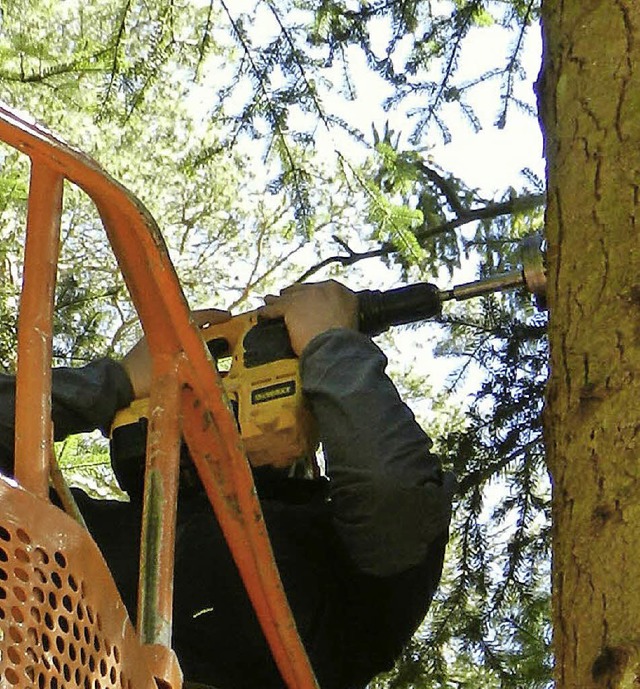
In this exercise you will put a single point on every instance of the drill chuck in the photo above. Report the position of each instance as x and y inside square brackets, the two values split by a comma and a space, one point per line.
[378, 311]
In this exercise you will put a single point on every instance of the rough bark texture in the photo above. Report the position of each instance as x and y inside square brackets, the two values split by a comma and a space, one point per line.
[590, 110]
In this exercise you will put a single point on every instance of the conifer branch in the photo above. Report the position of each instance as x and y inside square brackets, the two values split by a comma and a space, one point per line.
[517, 204]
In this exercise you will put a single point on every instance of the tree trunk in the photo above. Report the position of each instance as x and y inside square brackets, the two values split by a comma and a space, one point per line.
[590, 111]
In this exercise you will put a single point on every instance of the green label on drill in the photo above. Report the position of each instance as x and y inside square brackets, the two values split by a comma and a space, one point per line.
[273, 392]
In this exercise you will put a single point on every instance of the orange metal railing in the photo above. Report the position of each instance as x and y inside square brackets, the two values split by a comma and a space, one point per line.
[185, 387]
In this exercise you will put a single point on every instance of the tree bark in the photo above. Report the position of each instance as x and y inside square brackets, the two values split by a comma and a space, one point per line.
[590, 111]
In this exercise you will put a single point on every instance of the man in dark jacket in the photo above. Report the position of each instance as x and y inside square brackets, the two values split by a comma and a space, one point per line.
[360, 552]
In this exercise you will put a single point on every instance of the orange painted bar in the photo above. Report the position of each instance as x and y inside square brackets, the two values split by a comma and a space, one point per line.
[34, 432]
[208, 423]
[155, 590]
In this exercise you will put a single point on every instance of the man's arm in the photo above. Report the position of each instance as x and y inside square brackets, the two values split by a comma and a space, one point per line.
[389, 497]
[83, 399]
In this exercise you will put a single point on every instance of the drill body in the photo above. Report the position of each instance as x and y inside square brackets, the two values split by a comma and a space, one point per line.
[261, 378]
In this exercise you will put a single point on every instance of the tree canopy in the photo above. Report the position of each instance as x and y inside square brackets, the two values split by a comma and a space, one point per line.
[233, 123]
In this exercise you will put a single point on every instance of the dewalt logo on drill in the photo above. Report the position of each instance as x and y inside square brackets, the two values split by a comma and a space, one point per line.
[273, 392]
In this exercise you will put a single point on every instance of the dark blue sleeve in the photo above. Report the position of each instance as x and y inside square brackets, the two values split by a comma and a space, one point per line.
[390, 499]
[83, 399]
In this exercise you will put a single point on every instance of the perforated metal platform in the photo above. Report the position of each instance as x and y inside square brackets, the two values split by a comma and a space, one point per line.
[62, 622]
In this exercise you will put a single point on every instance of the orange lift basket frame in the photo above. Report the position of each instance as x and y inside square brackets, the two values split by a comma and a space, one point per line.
[62, 622]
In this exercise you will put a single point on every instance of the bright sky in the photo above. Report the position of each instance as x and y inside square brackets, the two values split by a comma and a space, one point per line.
[492, 159]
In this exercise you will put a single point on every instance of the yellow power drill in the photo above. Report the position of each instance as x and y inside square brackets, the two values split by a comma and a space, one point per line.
[260, 375]
[263, 381]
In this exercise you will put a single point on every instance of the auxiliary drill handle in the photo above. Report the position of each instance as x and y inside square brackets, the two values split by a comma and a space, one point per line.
[378, 311]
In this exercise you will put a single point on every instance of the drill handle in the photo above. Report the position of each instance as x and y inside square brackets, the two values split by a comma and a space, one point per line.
[378, 311]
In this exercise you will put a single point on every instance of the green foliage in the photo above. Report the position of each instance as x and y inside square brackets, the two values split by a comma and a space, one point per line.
[84, 462]
[502, 516]
[489, 626]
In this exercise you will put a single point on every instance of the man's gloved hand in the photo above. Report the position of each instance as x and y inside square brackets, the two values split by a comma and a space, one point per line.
[311, 309]
[137, 362]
